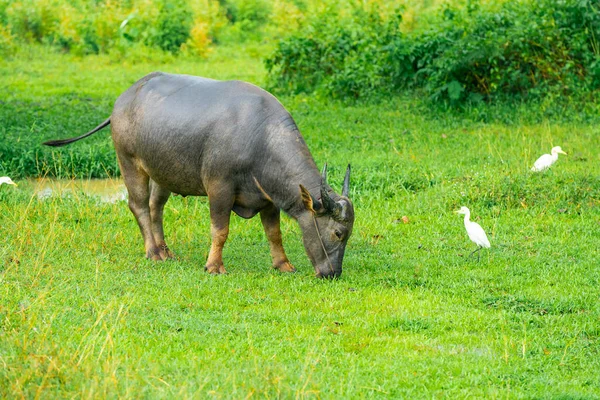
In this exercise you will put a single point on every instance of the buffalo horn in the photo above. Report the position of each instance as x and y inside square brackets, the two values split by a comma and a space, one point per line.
[346, 187]
[329, 204]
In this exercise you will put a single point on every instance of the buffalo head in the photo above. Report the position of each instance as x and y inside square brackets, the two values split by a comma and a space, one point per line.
[326, 226]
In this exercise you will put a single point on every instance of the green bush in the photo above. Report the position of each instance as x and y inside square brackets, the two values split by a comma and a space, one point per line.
[523, 49]
[7, 45]
[3, 6]
[520, 49]
[173, 26]
[247, 19]
[343, 54]
[33, 20]
[251, 13]
[103, 26]
[99, 26]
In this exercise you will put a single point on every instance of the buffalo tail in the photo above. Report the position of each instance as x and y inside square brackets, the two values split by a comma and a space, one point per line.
[62, 142]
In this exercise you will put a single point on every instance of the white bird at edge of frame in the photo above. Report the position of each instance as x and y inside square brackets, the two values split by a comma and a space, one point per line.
[7, 180]
[545, 161]
[475, 232]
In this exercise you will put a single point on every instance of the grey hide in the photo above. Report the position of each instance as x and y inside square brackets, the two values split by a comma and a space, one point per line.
[236, 144]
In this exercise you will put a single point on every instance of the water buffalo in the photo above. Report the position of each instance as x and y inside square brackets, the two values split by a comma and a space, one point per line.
[235, 143]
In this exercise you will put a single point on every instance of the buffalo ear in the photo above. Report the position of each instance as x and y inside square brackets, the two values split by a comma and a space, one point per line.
[310, 202]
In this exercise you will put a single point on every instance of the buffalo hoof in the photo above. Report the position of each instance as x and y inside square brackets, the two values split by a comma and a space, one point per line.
[285, 267]
[155, 254]
[159, 254]
[215, 269]
[166, 253]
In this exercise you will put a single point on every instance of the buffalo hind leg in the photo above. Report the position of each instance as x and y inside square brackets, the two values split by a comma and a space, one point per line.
[270, 218]
[220, 204]
[138, 188]
[158, 198]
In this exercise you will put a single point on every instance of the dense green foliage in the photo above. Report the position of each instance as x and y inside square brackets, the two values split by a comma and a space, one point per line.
[173, 25]
[82, 314]
[464, 51]
[342, 53]
[127, 28]
[524, 49]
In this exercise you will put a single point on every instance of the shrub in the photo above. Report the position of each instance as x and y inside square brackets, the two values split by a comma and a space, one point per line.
[3, 6]
[247, 19]
[524, 50]
[32, 19]
[109, 26]
[66, 33]
[199, 40]
[343, 54]
[517, 49]
[209, 20]
[7, 45]
[173, 25]
[250, 13]
[285, 18]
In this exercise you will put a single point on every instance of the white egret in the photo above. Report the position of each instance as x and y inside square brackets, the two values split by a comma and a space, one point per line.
[7, 180]
[545, 161]
[475, 232]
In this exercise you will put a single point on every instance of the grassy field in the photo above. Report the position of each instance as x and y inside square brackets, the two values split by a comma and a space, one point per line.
[83, 314]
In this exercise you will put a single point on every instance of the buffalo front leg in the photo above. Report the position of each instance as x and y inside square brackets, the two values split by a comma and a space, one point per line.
[158, 198]
[138, 188]
[220, 203]
[270, 218]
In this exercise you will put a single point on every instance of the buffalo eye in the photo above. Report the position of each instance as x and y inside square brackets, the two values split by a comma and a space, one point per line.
[338, 234]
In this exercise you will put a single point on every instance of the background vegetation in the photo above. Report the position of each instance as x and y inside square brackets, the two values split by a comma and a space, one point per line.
[82, 314]
[118, 28]
[478, 52]
[457, 51]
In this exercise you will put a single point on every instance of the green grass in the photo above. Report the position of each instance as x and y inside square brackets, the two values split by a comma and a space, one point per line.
[82, 314]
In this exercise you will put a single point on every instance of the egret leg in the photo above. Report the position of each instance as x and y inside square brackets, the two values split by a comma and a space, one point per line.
[475, 251]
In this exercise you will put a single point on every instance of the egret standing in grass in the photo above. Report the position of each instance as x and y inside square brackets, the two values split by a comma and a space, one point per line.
[7, 180]
[545, 161]
[475, 232]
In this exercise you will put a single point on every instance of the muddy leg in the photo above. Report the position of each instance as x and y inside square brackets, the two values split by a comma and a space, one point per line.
[158, 199]
[220, 204]
[137, 183]
[270, 220]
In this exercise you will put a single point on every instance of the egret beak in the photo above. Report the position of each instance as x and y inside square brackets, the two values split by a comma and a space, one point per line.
[562, 152]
